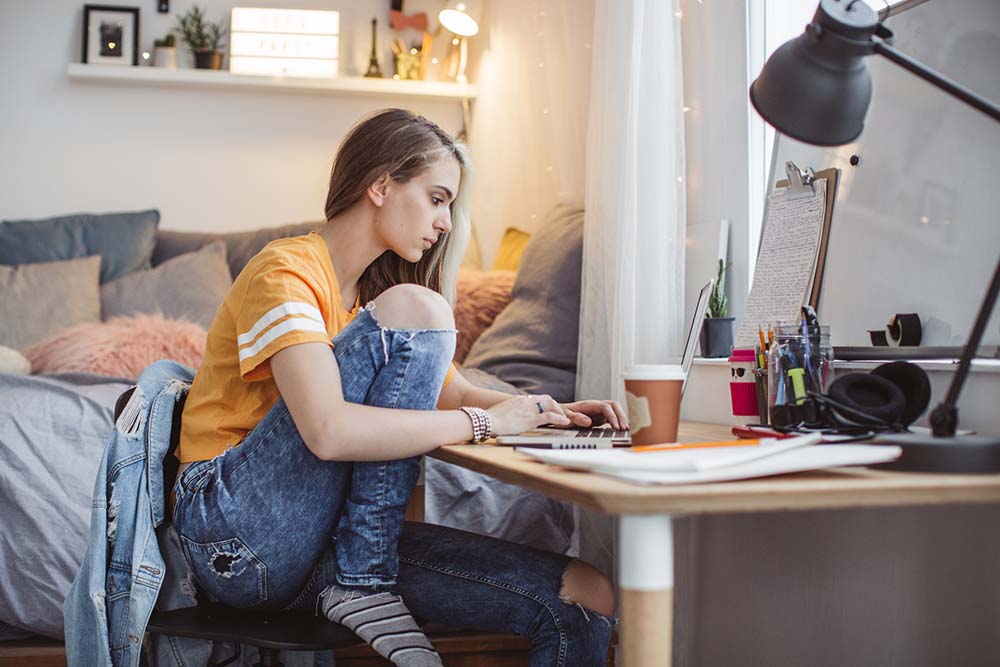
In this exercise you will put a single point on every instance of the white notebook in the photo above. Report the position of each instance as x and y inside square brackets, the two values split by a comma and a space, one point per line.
[722, 464]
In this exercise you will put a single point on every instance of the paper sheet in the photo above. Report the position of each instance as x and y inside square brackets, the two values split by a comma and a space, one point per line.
[786, 261]
[797, 459]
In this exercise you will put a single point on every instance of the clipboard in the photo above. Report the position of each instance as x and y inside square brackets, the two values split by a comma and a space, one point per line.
[791, 256]
[799, 184]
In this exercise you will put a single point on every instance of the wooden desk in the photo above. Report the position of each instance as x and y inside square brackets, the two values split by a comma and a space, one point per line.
[646, 574]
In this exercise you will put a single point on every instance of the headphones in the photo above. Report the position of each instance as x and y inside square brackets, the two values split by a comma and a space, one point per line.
[890, 398]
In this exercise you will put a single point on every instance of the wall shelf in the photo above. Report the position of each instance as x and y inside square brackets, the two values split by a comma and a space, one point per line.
[223, 80]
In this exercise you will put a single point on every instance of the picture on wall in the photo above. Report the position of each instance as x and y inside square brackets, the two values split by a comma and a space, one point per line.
[110, 35]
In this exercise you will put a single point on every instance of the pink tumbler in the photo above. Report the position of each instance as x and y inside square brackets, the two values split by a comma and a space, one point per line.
[742, 383]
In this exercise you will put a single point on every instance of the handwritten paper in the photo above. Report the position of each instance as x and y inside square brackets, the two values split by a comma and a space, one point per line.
[786, 262]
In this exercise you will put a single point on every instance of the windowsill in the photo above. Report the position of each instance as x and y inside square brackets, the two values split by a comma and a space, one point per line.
[939, 365]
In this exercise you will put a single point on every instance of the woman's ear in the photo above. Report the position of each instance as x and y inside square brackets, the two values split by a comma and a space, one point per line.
[379, 190]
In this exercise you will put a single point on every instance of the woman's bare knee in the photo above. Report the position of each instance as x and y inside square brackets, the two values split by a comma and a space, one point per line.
[584, 584]
[410, 306]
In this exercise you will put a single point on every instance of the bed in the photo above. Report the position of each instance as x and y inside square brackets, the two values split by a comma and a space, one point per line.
[90, 300]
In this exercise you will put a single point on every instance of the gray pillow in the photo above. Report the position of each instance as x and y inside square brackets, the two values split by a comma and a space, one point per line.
[37, 300]
[532, 342]
[186, 287]
[240, 246]
[123, 240]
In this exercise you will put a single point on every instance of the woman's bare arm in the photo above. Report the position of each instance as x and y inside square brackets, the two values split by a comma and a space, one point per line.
[333, 429]
[461, 392]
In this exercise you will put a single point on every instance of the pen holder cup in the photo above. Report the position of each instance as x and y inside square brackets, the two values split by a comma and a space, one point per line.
[742, 385]
[799, 363]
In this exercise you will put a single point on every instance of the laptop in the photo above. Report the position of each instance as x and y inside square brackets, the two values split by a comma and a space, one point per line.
[606, 437]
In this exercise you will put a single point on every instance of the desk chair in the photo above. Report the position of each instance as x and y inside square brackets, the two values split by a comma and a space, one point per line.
[302, 631]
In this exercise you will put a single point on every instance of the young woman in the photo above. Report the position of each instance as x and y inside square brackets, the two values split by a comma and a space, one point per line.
[298, 463]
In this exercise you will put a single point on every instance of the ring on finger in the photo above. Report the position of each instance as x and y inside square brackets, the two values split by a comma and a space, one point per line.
[541, 410]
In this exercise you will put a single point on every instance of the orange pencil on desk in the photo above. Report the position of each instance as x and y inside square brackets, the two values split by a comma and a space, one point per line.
[678, 446]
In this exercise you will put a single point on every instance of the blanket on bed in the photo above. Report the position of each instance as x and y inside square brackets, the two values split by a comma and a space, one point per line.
[53, 429]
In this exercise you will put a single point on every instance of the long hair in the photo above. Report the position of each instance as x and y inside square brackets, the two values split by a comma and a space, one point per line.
[402, 144]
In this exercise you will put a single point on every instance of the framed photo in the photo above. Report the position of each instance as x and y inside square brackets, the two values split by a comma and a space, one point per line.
[110, 35]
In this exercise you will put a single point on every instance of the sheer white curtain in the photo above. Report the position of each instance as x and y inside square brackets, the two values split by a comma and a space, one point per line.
[529, 125]
[633, 250]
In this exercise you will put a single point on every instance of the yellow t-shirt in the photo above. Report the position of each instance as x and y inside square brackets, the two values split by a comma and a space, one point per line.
[288, 294]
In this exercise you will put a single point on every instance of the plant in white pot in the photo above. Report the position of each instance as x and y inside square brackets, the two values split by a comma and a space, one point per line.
[717, 332]
[165, 52]
[203, 37]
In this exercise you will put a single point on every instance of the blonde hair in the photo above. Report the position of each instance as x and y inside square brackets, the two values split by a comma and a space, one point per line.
[402, 144]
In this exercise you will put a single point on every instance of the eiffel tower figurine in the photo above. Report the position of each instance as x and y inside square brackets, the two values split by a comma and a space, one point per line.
[373, 67]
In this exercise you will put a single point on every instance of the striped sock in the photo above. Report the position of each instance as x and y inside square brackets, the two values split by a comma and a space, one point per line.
[382, 620]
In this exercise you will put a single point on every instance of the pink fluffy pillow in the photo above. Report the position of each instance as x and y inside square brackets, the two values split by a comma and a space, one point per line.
[121, 347]
[479, 298]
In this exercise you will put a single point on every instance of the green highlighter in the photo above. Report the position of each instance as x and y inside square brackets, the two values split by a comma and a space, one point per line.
[798, 384]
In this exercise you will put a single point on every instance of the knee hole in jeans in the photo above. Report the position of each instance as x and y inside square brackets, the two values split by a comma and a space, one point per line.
[584, 584]
[409, 306]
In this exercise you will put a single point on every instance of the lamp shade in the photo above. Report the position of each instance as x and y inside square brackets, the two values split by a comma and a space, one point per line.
[816, 88]
[457, 18]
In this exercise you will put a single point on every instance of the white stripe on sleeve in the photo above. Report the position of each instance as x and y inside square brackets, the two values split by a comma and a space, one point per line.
[291, 324]
[275, 314]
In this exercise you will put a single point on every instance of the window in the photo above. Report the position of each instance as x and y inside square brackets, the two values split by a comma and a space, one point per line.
[771, 23]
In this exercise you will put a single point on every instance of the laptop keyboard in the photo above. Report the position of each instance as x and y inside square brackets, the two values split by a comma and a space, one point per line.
[600, 433]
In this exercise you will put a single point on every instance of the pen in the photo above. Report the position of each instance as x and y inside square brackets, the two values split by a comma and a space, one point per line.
[760, 334]
[694, 445]
[752, 431]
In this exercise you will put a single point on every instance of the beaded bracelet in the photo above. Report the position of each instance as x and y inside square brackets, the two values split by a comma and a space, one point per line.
[482, 424]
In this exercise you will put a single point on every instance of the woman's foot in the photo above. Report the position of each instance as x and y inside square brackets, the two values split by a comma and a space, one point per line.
[382, 620]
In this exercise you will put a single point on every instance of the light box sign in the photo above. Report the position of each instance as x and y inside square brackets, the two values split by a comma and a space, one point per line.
[284, 42]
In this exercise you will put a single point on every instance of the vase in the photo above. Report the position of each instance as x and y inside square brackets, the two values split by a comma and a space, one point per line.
[208, 59]
[165, 56]
[717, 337]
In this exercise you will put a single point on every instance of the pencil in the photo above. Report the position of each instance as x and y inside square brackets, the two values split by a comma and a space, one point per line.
[694, 445]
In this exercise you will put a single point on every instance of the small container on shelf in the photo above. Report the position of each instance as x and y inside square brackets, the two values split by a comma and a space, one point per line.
[742, 383]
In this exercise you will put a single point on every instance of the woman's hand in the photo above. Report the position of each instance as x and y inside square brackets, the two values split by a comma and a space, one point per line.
[595, 413]
[522, 413]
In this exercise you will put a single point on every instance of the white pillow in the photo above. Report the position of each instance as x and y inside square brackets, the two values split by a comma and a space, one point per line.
[13, 362]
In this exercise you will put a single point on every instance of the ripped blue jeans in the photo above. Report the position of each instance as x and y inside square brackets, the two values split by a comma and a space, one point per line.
[267, 525]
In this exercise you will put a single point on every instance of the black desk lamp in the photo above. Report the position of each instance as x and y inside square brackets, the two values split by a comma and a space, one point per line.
[816, 89]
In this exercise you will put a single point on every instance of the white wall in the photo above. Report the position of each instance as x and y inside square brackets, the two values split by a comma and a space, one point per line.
[207, 159]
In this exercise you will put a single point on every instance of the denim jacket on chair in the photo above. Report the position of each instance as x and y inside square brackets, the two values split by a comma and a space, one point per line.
[111, 598]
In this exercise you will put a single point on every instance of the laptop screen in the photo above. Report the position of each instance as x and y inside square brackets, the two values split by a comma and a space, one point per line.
[694, 331]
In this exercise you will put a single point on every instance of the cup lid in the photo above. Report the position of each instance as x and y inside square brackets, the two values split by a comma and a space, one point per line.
[742, 354]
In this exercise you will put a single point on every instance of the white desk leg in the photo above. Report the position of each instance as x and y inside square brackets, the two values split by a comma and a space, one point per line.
[646, 580]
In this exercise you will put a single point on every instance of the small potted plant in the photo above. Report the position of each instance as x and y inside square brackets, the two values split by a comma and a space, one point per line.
[165, 52]
[203, 37]
[717, 332]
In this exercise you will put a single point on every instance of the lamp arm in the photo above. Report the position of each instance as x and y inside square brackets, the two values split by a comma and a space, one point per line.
[947, 85]
[944, 418]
